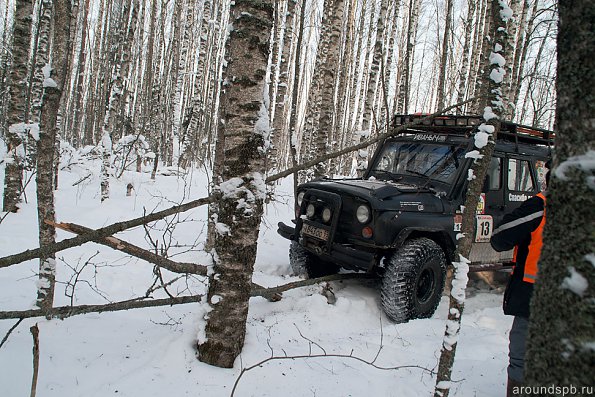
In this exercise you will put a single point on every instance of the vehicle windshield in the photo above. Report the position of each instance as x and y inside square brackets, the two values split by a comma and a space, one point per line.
[438, 162]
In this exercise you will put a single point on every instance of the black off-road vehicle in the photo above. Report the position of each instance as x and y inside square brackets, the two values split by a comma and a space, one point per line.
[402, 218]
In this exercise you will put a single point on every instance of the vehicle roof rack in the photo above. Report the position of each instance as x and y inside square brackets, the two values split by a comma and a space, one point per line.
[466, 124]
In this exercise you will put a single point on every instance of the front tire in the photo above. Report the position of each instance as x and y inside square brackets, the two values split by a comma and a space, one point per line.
[413, 282]
[304, 263]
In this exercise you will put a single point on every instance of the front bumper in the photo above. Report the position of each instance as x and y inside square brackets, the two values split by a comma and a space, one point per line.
[346, 256]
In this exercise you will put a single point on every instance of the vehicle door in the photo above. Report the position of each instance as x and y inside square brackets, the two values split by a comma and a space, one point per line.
[520, 181]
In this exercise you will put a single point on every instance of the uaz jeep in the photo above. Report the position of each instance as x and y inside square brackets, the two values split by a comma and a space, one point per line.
[400, 220]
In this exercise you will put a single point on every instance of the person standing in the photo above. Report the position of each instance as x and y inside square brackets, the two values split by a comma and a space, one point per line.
[522, 230]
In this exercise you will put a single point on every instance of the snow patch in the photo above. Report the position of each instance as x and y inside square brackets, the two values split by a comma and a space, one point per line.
[489, 114]
[474, 154]
[497, 59]
[576, 282]
[505, 11]
[584, 162]
[451, 336]
[48, 82]
[497, 75]
[229, 188]
[443, 384]
[470, 175]
[481, 139]
[216, 299]
[222, 229]
[22, 129]
[459, 282]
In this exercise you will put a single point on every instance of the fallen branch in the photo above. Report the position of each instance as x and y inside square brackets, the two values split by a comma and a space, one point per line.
[69, 311]
[100, 233]
[35, 333]
[10, 332]
[272, 294]
[363, 144]
[134, 250]
[303, 283]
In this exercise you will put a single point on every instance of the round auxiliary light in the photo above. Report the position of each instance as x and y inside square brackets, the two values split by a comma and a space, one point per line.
[367, 232]
[363, 213]
[300, 198]
[326, 215]
[310, 211]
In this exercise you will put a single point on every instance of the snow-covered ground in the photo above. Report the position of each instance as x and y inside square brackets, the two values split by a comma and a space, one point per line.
[151, 352]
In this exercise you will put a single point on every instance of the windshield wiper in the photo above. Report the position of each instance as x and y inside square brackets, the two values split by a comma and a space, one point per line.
[417, 173]
[395, 177]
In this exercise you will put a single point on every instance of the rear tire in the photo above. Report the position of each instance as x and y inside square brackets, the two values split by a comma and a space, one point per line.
[303, 263]
[413, 282]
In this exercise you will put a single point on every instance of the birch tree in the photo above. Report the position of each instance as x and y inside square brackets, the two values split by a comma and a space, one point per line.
[484, 140]
[15, 114]
[244, 128]
[561, 329]
[442, 70]
[321, 96]
[53, 85]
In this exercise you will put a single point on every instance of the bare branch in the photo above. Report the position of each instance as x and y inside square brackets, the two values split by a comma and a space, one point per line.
[362, 144]
[101, 233]
[69, 311]
[35, 333]
[10, 332]
[268, 293]
[302, 283]
[134, 250]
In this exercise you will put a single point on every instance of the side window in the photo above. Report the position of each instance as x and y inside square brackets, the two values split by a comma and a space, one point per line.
[519, 176]
[494, 173]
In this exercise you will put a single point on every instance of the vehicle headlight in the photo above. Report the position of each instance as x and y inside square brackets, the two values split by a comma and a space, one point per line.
[310, 211]
[300, 198]
[363, 213]
[326, 215]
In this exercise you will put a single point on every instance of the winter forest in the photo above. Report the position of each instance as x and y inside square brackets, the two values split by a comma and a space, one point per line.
[149, 148]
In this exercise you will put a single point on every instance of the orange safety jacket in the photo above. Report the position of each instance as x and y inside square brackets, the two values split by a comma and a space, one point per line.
[530, 274]
[522, 230]
[530, 271]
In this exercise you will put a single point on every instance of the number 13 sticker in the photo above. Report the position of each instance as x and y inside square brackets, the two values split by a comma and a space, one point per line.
[483, 228]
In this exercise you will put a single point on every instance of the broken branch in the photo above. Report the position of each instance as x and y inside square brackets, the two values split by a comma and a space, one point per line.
[134, 250]
[362, 144]
[100, 233]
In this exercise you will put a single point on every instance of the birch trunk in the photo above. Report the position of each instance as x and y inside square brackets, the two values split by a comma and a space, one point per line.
[561, 332]
[321, 96]
[15, 114]
[464, 70]
[444, 58]
[53, 87]
[244, 127]
[493, 108]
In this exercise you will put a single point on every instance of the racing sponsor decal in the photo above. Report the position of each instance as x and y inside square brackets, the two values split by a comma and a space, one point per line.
[416, 204]
[429, 137]
[517, 197]
[481, 204]
[458, 222]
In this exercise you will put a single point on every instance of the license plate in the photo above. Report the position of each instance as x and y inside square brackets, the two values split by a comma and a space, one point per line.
[317, 232]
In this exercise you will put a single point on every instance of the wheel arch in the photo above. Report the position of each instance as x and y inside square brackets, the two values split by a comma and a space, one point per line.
[437, 235]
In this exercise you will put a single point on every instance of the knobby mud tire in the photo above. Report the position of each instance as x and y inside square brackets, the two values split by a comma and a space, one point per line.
[414, 279]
